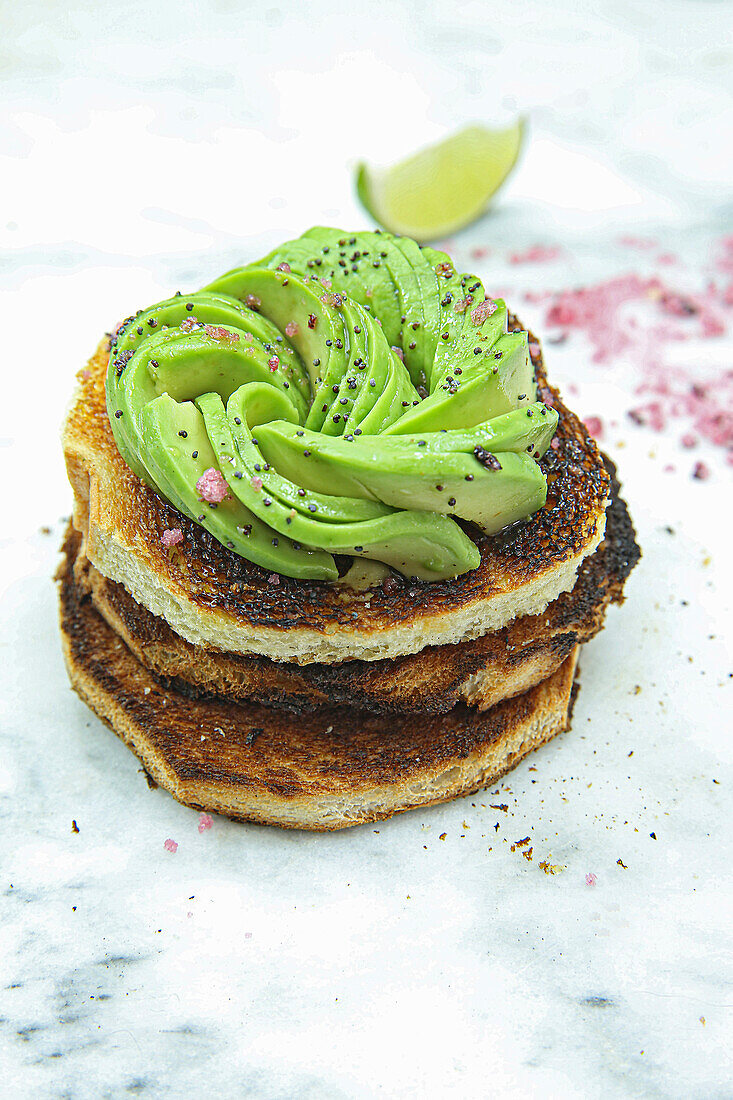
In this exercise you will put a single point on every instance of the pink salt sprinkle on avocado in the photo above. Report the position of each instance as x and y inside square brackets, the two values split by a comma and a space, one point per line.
[220, 334]
[291, 329]
[273, 363]
[256, 483]
[212, 487]
[171, 537]
[482, 311]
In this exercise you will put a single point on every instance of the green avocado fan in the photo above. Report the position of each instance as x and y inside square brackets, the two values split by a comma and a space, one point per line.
[346, 395]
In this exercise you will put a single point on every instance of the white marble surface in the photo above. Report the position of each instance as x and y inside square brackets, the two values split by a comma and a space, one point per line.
[146, 147]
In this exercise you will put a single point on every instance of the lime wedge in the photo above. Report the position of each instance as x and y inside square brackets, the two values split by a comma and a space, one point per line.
[443, 188]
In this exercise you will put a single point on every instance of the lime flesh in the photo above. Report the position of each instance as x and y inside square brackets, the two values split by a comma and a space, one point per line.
[443, 188]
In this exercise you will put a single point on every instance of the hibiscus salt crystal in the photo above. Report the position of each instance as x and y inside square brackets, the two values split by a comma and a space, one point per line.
[171, 537]
[205, 822]
[482, 311]
[212, 487]
[170, 845]
[291, 329]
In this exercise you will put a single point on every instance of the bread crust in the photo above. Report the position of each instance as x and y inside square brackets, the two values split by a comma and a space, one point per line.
[323, 770]
[211, 597]
[481, 673]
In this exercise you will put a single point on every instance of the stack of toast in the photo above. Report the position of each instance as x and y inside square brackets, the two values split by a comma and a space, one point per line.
[317, 705]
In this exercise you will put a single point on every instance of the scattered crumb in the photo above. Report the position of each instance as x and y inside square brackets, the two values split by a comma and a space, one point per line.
[591, 879]
[442, 836]
[74, 827]
[520, 843]
[170, 845]
[205, 822]
[551, 868]
[622, 864]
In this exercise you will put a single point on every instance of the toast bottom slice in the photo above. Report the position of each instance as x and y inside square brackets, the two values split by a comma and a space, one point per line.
[327, 769]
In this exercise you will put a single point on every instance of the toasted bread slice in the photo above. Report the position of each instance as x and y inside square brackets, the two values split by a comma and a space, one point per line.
[326, 769]
[210, 596]
[481, 672]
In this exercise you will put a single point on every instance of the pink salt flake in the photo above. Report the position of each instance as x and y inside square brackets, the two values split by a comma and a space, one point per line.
[594, 424]
[327, 283]
[284, 266]
[274, 578]
[669, 469]
[555, 443]
[591, 879]
[483, 311]
[170, 845]
[205, 822]
[212, 487]
[335, 300]
[189, 324]
[171, 537]
[291, 329]
[537, 254]
[256, 483]
[652, 415]
[701, 472]
[252, 301]
[221, 334]
[688, 441]
[534, 348]
[273, 363]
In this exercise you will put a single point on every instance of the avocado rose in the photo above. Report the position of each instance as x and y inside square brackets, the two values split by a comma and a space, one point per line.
[344, 395]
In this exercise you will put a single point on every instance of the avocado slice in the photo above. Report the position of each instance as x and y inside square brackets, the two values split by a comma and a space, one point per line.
[482, 393]
[484, 475]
